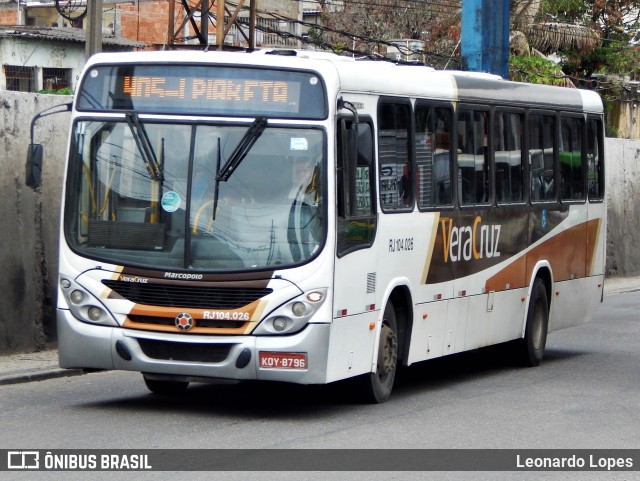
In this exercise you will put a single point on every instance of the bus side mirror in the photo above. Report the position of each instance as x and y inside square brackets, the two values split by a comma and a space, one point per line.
[34, 166]
[35, 151]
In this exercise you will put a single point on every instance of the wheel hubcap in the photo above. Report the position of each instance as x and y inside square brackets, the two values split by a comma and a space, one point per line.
[537, 328]
[388, 352]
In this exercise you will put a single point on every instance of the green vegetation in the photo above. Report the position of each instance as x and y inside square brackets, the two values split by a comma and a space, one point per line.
[64, 91]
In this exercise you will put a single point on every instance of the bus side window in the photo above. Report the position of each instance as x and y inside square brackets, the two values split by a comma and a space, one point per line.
[570, 157]
[473, 157]
[507, 145]
[396, 176]
[355, 186]
[594, 160]
[433, 155]
[541, 133]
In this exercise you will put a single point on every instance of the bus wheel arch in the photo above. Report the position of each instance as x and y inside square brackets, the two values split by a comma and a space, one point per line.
[395, 330]
[532, 345]
[403, 305]
[377, 385]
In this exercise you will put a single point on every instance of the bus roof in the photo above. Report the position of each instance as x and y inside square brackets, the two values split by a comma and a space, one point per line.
[383, 77]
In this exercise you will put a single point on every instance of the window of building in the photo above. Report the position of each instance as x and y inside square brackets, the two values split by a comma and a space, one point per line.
[56, 78]
[19, 78]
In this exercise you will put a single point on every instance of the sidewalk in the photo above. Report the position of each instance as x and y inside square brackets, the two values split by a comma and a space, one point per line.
[38, 366]
[33, 366]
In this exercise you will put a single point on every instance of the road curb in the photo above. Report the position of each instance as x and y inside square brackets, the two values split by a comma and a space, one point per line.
[38, 374]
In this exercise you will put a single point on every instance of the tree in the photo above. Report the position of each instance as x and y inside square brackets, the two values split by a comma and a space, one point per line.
[588, 36]
[365, 27]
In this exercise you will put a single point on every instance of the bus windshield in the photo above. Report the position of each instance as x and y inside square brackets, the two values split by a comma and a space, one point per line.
[150, 194]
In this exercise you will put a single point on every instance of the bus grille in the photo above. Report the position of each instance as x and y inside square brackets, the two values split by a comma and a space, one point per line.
[171, 321]
[180, 351]
[189, 296]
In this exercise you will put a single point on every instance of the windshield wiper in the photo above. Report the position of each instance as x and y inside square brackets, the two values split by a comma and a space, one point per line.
[144, 146]
[252, 134]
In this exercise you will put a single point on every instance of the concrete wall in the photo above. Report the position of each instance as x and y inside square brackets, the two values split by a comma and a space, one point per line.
[623, 196]
[625, 116]
[29, 221]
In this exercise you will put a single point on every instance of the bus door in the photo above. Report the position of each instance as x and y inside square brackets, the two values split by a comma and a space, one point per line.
[355, 274]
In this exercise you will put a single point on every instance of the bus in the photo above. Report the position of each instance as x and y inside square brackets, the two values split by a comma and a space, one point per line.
[306, 217]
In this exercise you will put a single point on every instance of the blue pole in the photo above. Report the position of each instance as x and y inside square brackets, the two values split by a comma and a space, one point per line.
[485, 36]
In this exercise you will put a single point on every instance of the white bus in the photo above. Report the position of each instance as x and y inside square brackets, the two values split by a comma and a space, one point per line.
[310, 218]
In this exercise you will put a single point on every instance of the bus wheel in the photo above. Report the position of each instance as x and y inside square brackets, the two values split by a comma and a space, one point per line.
[165, 388]
[535, 337]
[380, 383]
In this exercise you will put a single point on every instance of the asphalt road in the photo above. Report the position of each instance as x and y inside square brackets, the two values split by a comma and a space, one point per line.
[585, 395]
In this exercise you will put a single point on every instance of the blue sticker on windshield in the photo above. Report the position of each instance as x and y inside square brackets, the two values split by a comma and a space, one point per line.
[170, 201]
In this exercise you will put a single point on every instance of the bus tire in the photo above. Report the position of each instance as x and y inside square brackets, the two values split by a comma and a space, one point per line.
[378, 384]
[166, 388]
[535, 337]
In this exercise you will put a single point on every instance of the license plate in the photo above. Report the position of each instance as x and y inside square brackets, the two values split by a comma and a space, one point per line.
[283, 360]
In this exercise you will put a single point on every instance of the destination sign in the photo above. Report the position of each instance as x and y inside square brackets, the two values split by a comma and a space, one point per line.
[203, 90]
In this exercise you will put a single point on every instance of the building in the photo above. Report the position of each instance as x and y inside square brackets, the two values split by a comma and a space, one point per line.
[279, 22]
[47, 58]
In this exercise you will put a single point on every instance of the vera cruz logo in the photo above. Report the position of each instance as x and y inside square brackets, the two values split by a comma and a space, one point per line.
[470, 242]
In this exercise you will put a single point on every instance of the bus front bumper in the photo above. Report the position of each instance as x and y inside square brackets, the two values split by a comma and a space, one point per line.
[193, 357]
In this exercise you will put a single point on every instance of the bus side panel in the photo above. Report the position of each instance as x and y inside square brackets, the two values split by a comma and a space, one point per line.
[575, 301]
[428, 333]
[478, 323]
[434, 290]
[454, 335]
[596, 239]
[355, 294]
[507, 314]
[572, 306]
[351, 346]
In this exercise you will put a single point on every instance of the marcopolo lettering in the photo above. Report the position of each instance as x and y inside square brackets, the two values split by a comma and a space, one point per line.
[182, 275]
[470, 242]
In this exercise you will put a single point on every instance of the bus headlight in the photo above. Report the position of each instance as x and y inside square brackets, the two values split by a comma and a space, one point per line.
[280, 324]
[94, 313]
[294, 315]
[83, 305]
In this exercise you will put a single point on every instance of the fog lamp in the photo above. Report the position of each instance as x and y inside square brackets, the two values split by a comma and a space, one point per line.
[280, 324]
[94, 313]
[77, 297]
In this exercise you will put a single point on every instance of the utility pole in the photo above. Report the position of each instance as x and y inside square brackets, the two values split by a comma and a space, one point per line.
[220, 24]
[485, 36]
[201, 31]
[204, 21]
[253, 8]
[94, 28]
